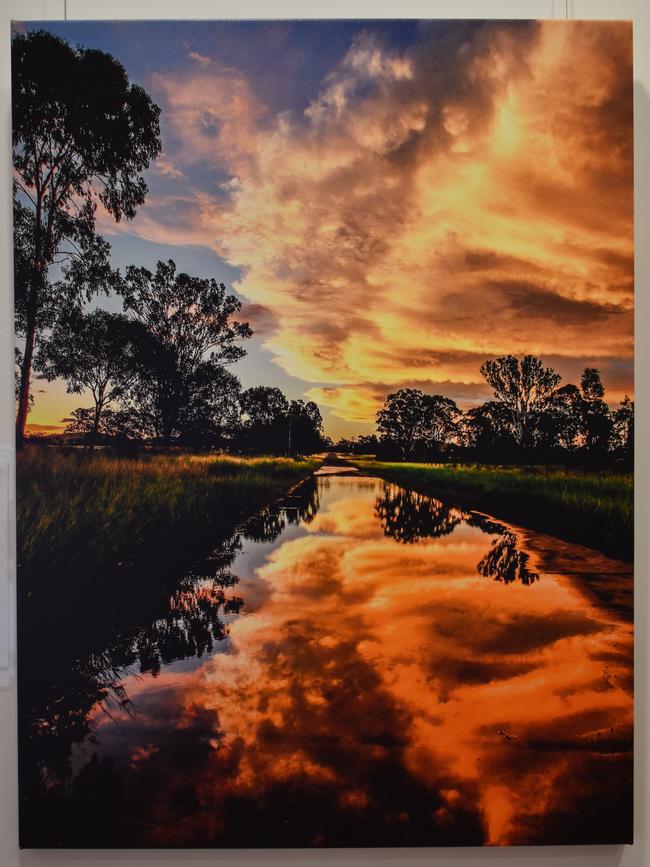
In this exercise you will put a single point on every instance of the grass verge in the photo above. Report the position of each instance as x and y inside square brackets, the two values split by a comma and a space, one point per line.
[593, 509]
[78, 509]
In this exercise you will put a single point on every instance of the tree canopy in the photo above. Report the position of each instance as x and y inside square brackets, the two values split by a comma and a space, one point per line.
[525, 387]
[81, 131]
[189, 333]
[532, 417]
[417, 423]
[263, 405]
[82, 135]
[93, 352]
[305, 428]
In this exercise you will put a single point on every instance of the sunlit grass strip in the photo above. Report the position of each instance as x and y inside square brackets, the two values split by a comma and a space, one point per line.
[591, 508]
[80, 508]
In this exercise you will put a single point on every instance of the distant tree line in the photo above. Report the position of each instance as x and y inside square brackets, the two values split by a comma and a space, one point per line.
[531, 418]
[159, 370]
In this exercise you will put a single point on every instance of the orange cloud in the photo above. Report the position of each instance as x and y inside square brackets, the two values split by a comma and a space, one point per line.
[212, 111]
[469, 197]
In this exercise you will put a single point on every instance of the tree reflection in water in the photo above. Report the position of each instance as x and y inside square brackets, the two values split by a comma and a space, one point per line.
[407, 517]
[191, 625]
[65, 684]
[100, 628]
[95, 637]
[505, 562]
[300, 504]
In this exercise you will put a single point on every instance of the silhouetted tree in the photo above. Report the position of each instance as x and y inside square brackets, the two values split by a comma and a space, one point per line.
[440, 417]
[400, 419]
[211, 415]
[263, 405]
[304, 428]
[623, 429]
[418, 423]
[362, 445]
[18, 360]
[120, 425]
[596, 422]
[43, 315]
[81, 134]
[560, 423]
[91, 352]
[591, 384]
[264, 420]
[525, 387]
[488, 427]
[191, 334]
[532, 411]
[367, 444]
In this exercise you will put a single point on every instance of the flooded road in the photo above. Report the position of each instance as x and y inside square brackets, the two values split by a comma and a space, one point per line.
[361, 666]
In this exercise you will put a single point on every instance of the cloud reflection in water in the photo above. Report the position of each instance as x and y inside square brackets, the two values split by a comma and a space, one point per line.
[385, 692]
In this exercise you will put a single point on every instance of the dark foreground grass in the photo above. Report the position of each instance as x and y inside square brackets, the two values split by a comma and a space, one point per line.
[78, 509]
[593, 509]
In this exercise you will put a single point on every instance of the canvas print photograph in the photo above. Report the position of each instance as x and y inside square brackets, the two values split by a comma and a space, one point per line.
[324, 431]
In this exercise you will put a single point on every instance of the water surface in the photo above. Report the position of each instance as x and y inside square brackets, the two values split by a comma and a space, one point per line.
[361, 666]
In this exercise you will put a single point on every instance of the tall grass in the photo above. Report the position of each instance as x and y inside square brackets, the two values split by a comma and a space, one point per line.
[591, 508]
[77, 508]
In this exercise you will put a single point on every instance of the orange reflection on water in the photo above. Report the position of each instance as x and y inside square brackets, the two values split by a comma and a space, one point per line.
[393, 693]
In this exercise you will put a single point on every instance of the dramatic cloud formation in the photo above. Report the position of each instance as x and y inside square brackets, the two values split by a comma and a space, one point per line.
[467, 196]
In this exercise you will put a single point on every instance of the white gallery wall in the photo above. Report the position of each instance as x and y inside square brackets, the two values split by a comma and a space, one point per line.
[578, 856]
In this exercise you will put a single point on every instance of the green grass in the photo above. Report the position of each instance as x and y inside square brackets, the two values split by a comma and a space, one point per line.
[591, 508]
[77, 509]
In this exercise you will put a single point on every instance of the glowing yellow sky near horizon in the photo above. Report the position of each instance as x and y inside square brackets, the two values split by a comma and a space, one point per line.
[466, 199]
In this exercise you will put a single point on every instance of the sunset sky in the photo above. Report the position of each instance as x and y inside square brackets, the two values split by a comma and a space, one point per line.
[393, 202]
